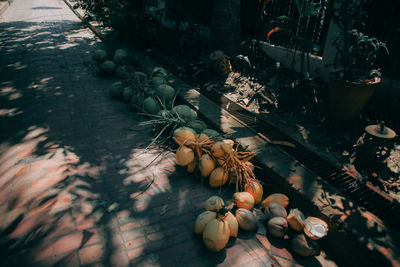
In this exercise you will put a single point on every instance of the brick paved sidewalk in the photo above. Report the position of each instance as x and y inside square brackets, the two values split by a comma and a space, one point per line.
[72, 165]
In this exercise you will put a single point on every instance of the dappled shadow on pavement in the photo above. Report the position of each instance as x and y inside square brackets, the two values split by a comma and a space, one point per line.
[77, 186]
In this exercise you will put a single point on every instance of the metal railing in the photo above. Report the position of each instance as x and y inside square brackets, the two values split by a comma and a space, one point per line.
[295, 24]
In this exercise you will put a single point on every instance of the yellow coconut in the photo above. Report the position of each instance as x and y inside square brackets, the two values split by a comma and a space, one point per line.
[244, 200]
[218, 177]
[207, 165]
[184, 155]
[227, 146]
[217, 150]
[184, 135]
[216, 234]
[203, 137]
[214, 203]
[255, 189]
[233, 224]
[192, 166]
[202, 220]
[279, 198]
[229, 142]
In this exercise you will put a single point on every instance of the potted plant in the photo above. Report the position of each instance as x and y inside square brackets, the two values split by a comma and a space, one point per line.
[355, 74]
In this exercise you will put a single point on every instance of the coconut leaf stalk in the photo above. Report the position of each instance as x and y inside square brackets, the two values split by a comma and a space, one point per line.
[234, 161]
[163, 121]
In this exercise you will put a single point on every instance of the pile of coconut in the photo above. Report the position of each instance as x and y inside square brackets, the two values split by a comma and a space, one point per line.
[217, 224]
[148, 93]
[200, 148]
[117, 64]
[219, 160]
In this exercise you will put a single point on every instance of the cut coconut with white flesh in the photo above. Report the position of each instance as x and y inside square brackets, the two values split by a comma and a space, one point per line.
[315, 228]
[296, 220]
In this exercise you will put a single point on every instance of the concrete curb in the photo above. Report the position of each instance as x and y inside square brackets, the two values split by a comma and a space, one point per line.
[356, 237]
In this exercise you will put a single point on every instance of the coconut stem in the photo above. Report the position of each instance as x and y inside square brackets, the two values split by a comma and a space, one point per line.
[222, 213]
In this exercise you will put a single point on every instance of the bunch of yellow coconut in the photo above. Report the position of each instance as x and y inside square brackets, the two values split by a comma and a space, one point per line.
[219, 160]
[217, 224]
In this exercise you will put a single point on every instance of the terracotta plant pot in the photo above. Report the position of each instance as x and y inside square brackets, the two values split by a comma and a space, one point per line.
[348, 99]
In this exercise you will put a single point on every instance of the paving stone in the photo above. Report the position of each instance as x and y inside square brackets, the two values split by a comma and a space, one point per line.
[120, 259]
[74, 241]
[91, 254]
[83, 222]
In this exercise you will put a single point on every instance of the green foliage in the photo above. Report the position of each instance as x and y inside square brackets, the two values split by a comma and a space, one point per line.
[357, 53]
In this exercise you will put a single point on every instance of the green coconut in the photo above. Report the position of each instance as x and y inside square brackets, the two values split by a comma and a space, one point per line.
[99, 55]
[151, 106]
[137, 101]
[127, 93]
[157, 81]
[120, 57]
[214, 135]
[185, 112]
[197, 125]
[116, 89]
[107, 67]
[140, 78]
[121, 71]
[164, 113]
[165, 92]
[159, 72]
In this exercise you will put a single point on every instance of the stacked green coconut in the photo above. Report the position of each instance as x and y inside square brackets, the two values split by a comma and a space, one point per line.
[150, 94]
[109, 66]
